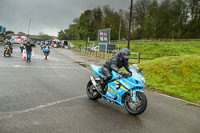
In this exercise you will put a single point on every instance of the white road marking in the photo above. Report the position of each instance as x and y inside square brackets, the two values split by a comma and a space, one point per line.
[53, 67]
[33, 53]
[11, 114]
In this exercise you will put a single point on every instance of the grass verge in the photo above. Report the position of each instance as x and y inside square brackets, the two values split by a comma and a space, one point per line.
[176, 76]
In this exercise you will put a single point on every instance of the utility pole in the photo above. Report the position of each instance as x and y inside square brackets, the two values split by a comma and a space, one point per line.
[29, 28]
[130, 21]
[121, 11]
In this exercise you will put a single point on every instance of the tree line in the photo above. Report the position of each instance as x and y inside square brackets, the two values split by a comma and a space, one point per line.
[151, 19]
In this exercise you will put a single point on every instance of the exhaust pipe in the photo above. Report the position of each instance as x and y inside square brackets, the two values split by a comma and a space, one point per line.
[95, 84]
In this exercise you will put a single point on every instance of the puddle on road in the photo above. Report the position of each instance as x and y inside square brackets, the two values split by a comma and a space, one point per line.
[82, 64]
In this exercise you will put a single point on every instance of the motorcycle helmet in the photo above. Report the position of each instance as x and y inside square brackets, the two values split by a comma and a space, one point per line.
[125, 52]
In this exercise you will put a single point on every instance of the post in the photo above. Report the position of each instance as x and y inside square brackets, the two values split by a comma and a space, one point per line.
[130, 19]
[121, 11]
[139, 58]
[29, 29]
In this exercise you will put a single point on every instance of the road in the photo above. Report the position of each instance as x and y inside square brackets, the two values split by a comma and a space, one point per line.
[48, 96]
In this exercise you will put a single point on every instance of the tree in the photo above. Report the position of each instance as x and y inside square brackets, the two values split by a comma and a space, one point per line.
[21, 34]
[44, 36]
[151, 20]
[140, 10]
[179, 17]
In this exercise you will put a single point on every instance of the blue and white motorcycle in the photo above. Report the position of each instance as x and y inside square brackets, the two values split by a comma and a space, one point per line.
[46, 51]
[124, 91]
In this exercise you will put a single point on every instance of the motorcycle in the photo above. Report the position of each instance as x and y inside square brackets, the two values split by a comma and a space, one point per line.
[7, 50]
[124, 91]
[46, 52]
[42, 46]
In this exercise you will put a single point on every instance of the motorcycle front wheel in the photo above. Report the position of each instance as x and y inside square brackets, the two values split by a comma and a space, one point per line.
[92, 92]
[137, 107]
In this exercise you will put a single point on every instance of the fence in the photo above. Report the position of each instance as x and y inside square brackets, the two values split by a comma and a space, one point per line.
[142, 40]
[109, 55]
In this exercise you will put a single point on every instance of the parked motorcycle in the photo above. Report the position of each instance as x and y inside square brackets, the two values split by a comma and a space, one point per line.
[46, 52]
[7, 50]
[124, 91]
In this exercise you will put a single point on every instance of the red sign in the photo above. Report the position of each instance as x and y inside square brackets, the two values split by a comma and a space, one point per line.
[103, 36]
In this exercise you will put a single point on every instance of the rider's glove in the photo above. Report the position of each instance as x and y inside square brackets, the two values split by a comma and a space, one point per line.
[130, 74]
[122, 73]
[127, 75]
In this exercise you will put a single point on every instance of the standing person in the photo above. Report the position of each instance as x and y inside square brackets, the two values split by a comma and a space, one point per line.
[80, 47]
[28, 51]
[21, 46]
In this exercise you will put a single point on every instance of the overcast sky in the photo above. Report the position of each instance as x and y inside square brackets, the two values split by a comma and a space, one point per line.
[48, 16]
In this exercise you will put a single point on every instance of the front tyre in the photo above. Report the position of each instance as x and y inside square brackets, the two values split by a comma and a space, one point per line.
[137, 107]
[92, 92]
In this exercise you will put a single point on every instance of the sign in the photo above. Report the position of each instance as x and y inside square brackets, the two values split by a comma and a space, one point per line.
[104, 35]
[107, 48]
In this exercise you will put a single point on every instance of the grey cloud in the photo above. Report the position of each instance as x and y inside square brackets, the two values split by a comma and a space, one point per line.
[48, 16]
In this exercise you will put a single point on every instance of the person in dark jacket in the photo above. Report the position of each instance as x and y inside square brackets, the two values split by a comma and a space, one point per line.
[115, 63]
[28, 51]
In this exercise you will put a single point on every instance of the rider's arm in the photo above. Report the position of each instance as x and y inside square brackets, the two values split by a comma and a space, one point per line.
[114, 67]
[127, 67]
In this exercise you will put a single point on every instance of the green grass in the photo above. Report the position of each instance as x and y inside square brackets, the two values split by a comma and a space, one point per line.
[169, 48]
[166, 48]
[176, 76]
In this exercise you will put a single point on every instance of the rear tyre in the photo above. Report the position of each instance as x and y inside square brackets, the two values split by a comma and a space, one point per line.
[138, 107]
[92, 92]
[4, 53]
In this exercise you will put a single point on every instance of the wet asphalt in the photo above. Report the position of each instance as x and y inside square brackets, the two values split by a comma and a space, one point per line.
[48, 96]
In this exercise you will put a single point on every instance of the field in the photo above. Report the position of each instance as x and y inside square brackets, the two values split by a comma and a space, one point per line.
[178, 76]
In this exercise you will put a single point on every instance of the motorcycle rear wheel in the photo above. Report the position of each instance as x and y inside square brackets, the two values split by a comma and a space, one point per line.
[4, 53]
[138, 107]
[92, 92]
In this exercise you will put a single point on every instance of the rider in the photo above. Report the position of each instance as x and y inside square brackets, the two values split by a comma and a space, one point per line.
[47, 47]
[9, 44]
[115, 63]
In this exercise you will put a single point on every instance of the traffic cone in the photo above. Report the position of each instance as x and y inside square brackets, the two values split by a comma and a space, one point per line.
[24, 54]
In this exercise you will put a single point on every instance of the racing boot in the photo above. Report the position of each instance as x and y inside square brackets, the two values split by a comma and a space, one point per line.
[101, 85]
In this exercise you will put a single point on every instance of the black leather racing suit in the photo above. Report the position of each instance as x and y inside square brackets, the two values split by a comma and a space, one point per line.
[115, 63]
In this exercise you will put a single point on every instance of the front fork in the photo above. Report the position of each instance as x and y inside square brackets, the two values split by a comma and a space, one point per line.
[133, 93]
